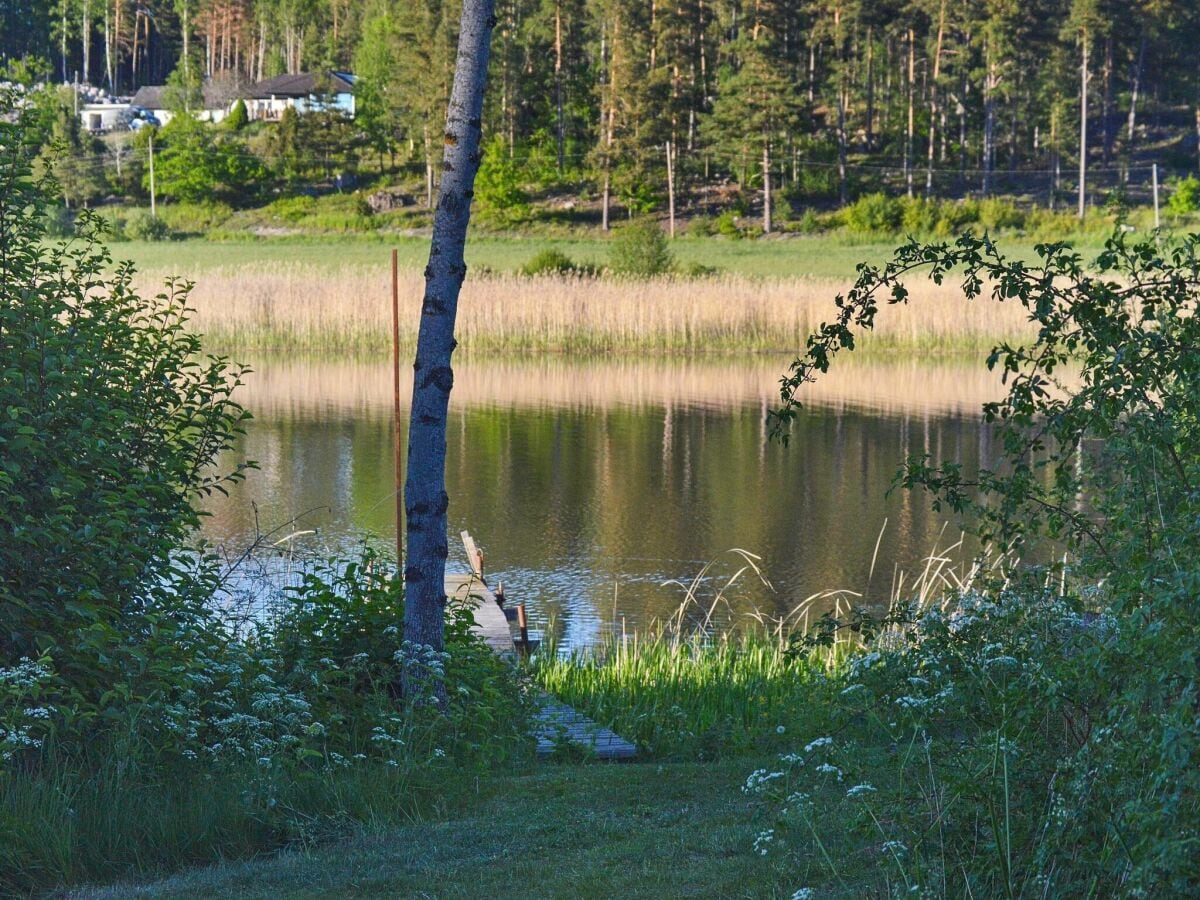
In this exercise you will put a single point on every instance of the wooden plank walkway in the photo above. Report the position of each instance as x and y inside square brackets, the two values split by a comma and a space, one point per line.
[554, 722]
[490, 622]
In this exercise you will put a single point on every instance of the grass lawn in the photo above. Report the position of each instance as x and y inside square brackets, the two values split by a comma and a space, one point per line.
[817, 257]
[562, 830]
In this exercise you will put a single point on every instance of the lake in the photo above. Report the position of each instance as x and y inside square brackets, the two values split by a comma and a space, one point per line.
[591, 484]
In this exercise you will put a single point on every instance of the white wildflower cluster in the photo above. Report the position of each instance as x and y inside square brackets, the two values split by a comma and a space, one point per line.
[763, 841]
[758, 780]
[860, 790]
[804, 893]
[21, 722]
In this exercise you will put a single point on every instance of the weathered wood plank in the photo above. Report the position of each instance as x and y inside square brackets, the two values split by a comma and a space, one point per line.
[555, 722]
[490, 622]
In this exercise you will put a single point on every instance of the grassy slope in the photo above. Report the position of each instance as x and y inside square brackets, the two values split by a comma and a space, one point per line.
[563, 830]
[800, 257]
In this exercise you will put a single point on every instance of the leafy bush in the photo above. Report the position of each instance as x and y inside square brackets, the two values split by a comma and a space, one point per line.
[919, 215]
[60, 222]
[554, 262]
[954, 216]
[701, 226]
[1068, 694]
[640, 248]
[142, 226]
[1185, 198]
[874, 214]
[112, 420]
[727, 225]
[498, 186]
[998, 215]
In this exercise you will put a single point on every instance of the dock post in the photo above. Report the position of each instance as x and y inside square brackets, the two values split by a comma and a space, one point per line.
[523, 625]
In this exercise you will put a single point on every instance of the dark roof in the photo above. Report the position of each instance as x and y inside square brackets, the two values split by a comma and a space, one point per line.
[149, 96]
[152, 96]
[303, 84]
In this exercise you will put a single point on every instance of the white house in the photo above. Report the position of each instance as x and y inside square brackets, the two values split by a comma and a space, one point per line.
[149, 97]
[101, 117]
[304, 92]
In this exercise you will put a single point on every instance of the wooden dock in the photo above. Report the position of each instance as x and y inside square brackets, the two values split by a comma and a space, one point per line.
[555, 723]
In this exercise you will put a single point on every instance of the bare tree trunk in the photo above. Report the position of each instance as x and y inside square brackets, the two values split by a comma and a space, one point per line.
[1083, 98]
[558, 83]
[933, 98]
[1136, 88]
[870, 89]
[85, 41]
[425, 498]
[908, 138]
[766, 170]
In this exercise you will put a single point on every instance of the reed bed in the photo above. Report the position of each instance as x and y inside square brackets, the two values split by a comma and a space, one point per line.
[309, 307]
[311, 385]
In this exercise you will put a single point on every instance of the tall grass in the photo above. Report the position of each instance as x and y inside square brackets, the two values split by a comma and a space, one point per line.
[308, 307]
[76, 821]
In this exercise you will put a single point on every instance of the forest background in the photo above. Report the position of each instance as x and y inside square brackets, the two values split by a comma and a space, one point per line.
[604, 108]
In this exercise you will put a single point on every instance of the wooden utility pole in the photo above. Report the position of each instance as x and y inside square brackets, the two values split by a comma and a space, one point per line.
[425, 498]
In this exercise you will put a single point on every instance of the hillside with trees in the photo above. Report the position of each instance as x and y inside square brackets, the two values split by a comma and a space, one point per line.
[814, 102]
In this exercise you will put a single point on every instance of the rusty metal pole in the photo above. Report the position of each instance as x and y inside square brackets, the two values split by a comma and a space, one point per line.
[397, 446]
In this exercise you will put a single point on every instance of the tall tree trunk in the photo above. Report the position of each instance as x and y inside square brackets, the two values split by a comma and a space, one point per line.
[558, 83]
[933, 97]
[1083, 98]
[766, 172]
[989, 122]
[1136, 87]
[63, 47]
[870, 89]
[908, 138]
[1106, 135]
[85, 41]
[425, 498]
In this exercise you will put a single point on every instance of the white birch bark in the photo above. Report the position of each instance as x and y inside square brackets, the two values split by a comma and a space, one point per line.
[425, 498]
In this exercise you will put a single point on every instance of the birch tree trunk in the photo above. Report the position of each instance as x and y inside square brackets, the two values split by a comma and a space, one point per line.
[1083, 99]
[425, 498]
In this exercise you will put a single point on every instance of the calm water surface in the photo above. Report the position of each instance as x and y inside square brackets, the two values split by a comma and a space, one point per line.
[591, 484]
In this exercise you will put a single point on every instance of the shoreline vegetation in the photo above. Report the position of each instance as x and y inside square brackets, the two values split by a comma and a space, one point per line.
[301, 306]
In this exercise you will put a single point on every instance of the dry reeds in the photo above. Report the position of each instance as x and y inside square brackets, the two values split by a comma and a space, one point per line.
[307, 307]
[313, 385]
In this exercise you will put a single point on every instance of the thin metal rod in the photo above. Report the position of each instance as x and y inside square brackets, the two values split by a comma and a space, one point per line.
[396, 436]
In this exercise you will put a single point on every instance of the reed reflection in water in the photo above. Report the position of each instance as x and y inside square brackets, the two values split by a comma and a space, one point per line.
[590, 484]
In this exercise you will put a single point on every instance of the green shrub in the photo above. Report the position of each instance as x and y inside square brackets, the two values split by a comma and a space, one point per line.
[701, 226]
[700, 270]
[195, 218]
[553, 262]
[1185, 196]
[112, 421]
[498, 189]
[999, 215]
[1056, 706]
[727, 225]
[919, 215]
[290, 209]
[874, 214]
[142, 226]
[954, 216]
[59, 222]
[640, 249]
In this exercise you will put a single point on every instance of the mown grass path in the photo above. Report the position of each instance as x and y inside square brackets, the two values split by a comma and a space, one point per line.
[563, 830]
